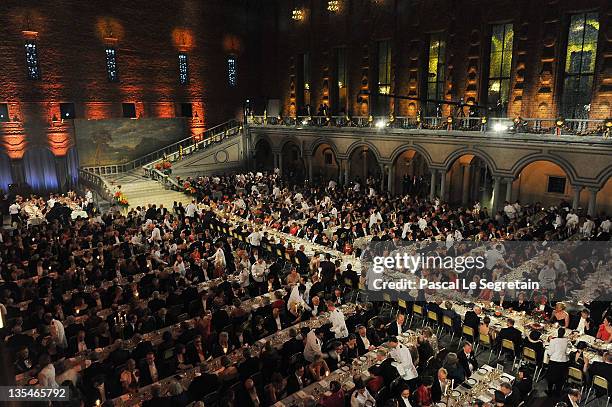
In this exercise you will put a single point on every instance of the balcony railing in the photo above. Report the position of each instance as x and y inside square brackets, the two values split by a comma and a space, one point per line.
[580, 127]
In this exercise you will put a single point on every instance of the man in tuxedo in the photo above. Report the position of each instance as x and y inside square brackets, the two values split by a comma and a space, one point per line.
[142, 347]
[472, 318]
[301, 258]
[204, 384]
[149, 370]
[293, 345]
[604, 368]
[511, 333]
[384, 367]
[275, 322]
[397, 327]
[467, 359]
[512, 398]
[328, 272]
[78, 344]
[296, 380]
[196, 353]
[316, 308]
[365, 340]
[249, 366]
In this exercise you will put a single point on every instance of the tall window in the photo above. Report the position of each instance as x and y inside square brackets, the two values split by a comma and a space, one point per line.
[384, 77]
[183, 68]
[500, 63]
[31, 51]
[306, 78]
[341, 79]
[436, 63]
[232, 71]
[111, 64]
[580, 65]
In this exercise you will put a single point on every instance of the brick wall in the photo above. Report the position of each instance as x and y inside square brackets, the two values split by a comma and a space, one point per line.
[540, 31]
[72, 35]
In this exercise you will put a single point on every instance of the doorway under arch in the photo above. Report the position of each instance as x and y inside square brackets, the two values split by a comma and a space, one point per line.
[412, 174]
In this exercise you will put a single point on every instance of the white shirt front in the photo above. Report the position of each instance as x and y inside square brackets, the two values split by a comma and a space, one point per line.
[14, 209]
[402, 355]
[338, 321]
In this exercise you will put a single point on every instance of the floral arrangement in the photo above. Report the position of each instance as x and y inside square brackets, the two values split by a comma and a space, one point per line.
[120, 199]
[188, 187]
[164, 166]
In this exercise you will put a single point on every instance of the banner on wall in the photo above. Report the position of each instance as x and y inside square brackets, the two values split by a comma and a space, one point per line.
[119, 141]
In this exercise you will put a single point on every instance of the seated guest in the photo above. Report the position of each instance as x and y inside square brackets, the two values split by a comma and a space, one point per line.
[297, 380]
[222, 346]
[560, 316]
[603, 369]
[512, 398]
[605, 330]
[195, 352]
[250, 365]
[467, 359]
[78, 344]
[440, 386]
[423, 394]
[204, 384]
[455, 371]
[249, 396]
[276, 390]
[523, 383]
[149, 371]
[374, 382]
[472, 318]
[318, 369]
[512, 334]
[425, 350]
[534, 342]
[397, 327]
[365, 340]
[23, 362]
[129, 377]
[521, 304]
[179, 361]
[334, 397]
[453, 315]
[583, 323]
[578, 359]
[385, 367]
[405, 399]
[361, 397]
[313, 344]
[275, 322]
[293, 345]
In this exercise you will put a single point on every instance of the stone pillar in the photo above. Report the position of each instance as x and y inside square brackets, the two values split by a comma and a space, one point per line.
[309, 168]
[496, 195]
[485, 190]
[340, 163]
[280, 163]
[347, 166]
[275, 157]
[391, 179]
[382, 177]
[576, 202]
[509, 189]
[443, 185]
[592, 201]
[465, 188]
[432, 187]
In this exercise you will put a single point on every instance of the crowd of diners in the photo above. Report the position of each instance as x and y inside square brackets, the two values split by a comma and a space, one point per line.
[113, 281]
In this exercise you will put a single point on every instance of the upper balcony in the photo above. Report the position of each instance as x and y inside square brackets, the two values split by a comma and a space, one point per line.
[588, 130]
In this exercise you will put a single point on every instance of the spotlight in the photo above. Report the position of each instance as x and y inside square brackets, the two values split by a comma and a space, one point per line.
[305, 122]
[483, 120]
[449, 120]
[608, 123]
[499, 127]
[380, 124]
[560, 122]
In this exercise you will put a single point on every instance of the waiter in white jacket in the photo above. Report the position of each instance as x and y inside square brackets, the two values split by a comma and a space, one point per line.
[336, 317]
[403, 357]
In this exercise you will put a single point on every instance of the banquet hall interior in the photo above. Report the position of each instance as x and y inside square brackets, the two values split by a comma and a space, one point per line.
[206, 203]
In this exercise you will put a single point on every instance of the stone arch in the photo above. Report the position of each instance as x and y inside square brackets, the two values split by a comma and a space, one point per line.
[263, 155]
[291, 139]
[292, 160]
[353, 147]
[324, 161]
[363, 160]
[411, 171]
[415, 147]
[319, 141]
[604, 177]
[452, 157]
[543, 181]
[520, 165]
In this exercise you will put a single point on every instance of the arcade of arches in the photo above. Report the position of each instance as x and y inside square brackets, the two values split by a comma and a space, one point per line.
[466, 179]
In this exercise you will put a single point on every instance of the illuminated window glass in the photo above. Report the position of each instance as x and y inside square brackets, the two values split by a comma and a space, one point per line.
[183, 69]
[436, 63]
[580, 65]
[384, 67]
[232, 74]
[4, 112]
[500, 63]
[111, 65]
[32, 60]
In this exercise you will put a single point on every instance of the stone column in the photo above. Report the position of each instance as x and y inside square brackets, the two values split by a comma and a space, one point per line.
[592, 201]
[309, 168]
[496, 193]
[465, 188]
[280, 163]
[275, 157]
[576, 202]
[391, 179]
[347, 166]
[485, 190]
[432, 187]
[509, 189]
[443, 185]
[340, 163]
[382, 177]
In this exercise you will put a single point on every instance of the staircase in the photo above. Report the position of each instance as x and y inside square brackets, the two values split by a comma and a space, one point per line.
[141, 191]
